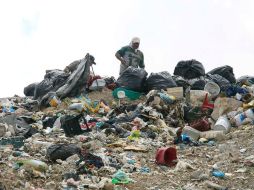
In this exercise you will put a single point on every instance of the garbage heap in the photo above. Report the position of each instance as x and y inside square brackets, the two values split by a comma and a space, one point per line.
[192, 130]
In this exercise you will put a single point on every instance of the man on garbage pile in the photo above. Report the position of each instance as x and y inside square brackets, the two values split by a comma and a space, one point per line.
[130, 55]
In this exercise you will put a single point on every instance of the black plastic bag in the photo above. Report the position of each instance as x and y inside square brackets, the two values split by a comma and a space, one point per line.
[161, 80]
[224, 71]
[92, 160]
[30, 89]
[132, 79]
[64, 84]
[197, 83]
[189, 69]
[48, 121]
[53, 80]
[181, 82]
[77, 81]
[71, 125]
[221, 81]
[43, 88]
[30, 132]
[31, 105]
[62, 151]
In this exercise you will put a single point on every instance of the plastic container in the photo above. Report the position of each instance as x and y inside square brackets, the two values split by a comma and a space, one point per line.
[97, 84]
[222, 124]
[166, 156]
[212, 88]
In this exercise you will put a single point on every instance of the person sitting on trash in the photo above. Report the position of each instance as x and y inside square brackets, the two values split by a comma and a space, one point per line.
[130, 56]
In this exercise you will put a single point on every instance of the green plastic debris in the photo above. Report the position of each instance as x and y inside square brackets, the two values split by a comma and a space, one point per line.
[132, 95]
[135, 134]
[121, 177]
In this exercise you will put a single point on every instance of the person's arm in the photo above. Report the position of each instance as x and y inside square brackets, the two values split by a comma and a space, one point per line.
[119, 55]
[142, 64]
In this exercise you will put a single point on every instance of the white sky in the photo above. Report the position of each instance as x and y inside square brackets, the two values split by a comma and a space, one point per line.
[50, 34]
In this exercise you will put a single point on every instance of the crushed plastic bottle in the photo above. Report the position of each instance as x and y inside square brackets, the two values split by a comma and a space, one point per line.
[218, 173]
[34, 164]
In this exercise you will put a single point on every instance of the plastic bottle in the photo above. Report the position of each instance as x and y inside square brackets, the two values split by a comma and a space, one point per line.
[239, 119]
[54, 102]
[250, 113]
[217, 135]
[191, 132]
[35, 164]
[77, 106]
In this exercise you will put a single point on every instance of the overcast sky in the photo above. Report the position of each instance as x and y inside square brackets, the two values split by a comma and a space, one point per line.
[50, 34]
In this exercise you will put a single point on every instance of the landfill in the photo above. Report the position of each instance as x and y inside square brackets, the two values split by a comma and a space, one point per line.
[193, 130]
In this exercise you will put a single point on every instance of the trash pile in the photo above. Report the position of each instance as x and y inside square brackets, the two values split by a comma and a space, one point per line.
[76, 130]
